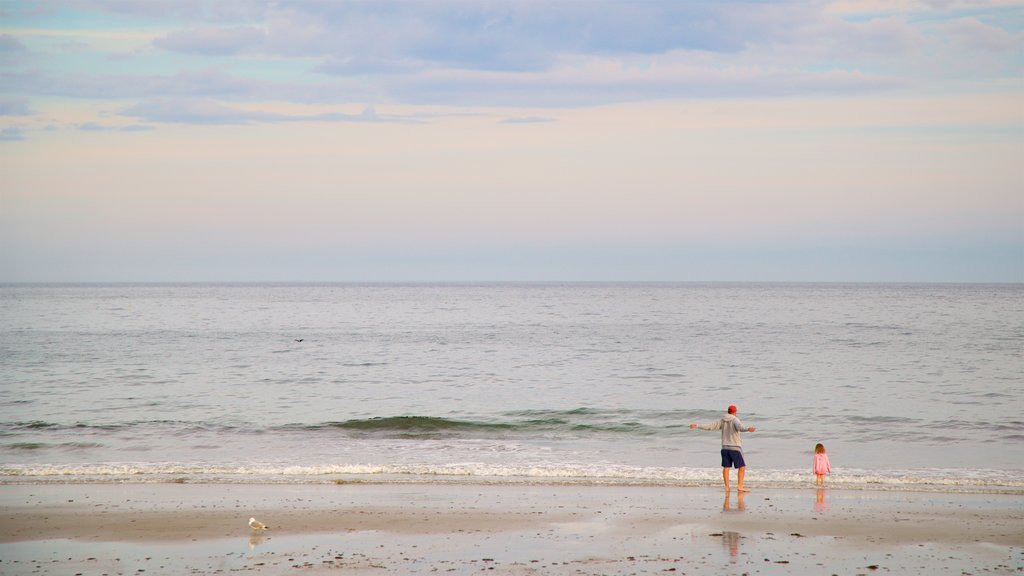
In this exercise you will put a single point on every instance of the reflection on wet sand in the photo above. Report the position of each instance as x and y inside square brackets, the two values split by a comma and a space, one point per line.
[731, 540]
[740, 506]
[819, 500]
[255, 540]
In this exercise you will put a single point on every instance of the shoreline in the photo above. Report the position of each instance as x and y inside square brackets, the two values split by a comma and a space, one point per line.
[513, 529]
[862, 483]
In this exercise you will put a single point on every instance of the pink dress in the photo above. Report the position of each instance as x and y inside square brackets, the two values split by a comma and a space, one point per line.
[821, 465]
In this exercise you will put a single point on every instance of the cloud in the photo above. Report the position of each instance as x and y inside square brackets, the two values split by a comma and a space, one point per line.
[206, 82]
[577, 81]
[481, 36]
[10, 44]
[212, 41]
[979, 36]
[517, 54]
[194, 112]
[177, 10]
[474, 35]
[94, 127]
[873, 7]
[12, 106]
[188, 111]
[356, 66]
[613, 81]
[527, 120]
[73, 46]
[859, 43]
[11, 134]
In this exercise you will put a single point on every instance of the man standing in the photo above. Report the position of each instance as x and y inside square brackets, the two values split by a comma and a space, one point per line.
[732, 447]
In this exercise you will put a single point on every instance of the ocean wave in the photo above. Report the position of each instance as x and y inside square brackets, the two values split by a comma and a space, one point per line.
[576, 420]
[527, 422]
[67, 446]
[39, 426]
[412, 424]
[25, 446]
[927, 480]
[574, 423]
[33, 425]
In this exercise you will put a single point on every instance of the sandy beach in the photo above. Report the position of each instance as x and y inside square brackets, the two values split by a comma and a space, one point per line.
[501, 529]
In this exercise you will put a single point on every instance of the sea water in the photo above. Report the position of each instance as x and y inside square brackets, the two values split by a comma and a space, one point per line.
[908, 386]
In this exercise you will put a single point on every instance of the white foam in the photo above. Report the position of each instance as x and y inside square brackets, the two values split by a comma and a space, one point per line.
[941, 480]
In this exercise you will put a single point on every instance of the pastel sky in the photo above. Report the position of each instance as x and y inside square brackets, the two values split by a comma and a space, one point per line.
[314, 140]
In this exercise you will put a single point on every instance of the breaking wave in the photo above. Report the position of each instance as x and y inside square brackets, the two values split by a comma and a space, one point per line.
[926, 480]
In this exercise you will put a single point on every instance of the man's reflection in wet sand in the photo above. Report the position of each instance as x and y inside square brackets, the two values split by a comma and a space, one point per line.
[740, 506]
[731, 540]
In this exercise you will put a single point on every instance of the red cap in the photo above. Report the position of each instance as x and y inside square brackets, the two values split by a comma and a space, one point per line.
[732, 409]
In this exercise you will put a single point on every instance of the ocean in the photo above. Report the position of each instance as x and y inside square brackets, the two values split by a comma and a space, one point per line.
[908, 386]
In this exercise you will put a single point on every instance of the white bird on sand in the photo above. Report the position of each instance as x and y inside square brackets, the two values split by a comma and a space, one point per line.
[256, 525]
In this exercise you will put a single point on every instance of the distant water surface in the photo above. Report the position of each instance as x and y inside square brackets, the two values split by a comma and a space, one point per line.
[908, 386]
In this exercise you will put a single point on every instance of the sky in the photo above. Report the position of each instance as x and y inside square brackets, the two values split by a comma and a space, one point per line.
[433, 141]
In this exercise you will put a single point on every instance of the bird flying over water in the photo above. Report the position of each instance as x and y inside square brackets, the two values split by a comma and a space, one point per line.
[256, 525]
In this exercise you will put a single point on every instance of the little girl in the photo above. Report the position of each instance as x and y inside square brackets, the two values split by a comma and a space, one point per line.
[821, 465]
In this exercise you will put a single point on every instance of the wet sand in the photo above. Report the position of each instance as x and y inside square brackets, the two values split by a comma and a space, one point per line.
[147, 529]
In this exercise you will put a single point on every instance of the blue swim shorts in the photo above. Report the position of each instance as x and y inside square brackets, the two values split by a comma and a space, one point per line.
[732, 458]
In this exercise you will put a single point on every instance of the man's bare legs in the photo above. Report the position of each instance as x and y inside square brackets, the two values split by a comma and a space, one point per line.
[740, 472]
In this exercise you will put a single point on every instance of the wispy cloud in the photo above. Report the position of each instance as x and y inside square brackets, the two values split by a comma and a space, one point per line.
[213, 41]
[11, 134]
[225, 59]
[9, 44]
[190, 111]
[974, 33]
[916, 6]
[206, 82]
[14, 106]
[94, 127]
[493, 36]
[527, 120]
